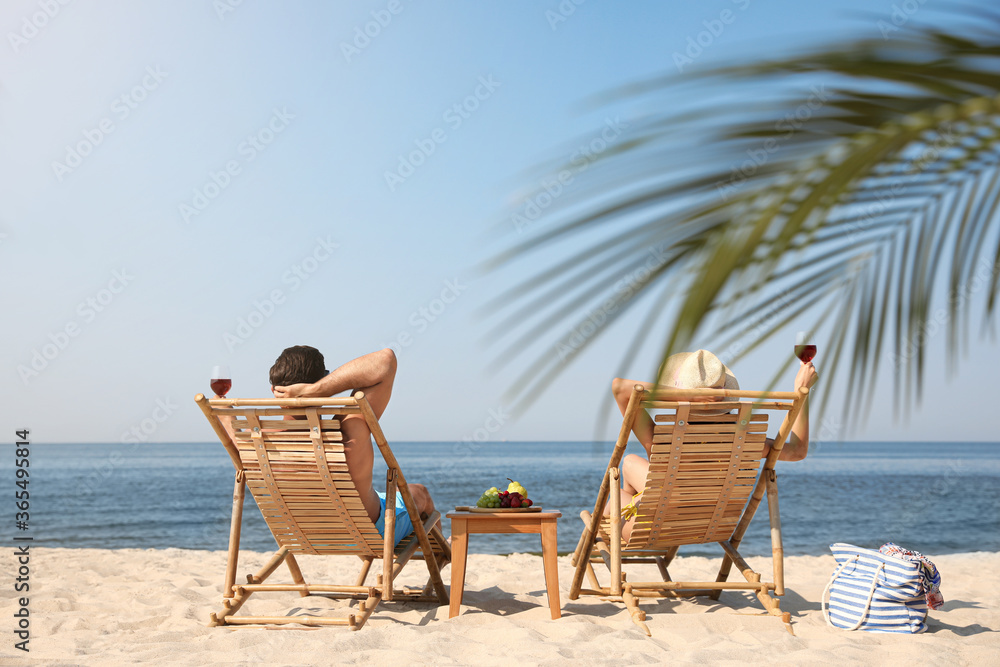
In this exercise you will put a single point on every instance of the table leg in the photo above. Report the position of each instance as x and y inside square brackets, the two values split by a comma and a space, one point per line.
[459, 551]
[550, 552]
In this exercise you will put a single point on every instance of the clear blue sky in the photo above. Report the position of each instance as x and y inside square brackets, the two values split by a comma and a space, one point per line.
[172, 168]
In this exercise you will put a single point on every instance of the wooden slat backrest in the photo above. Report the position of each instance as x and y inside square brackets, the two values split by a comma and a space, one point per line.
[703, 469]
[297, 472]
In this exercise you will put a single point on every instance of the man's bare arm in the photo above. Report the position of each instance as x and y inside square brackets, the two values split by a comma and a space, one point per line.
[372, 373]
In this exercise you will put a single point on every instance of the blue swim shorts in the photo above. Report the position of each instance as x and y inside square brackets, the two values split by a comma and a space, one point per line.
[403, 524]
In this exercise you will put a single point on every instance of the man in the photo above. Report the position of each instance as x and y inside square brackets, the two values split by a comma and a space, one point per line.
[300, 372]
[695, 370]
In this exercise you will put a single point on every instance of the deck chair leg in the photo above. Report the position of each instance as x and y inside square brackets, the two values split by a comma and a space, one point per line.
[293, 567]
[433, 569]
[366, 607]
[777, 550]
[389, 539]
[432, 528]
[582, 556]
[230, 607]
[616, 533]
[239, 492]
[277, 559]
[637, 615]
[366, 566]
[592, 577]
[773, 607]
[724, 569]
[438, 535]
[661, 564]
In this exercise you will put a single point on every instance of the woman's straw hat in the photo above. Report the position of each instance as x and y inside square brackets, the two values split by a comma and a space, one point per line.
[696, 370]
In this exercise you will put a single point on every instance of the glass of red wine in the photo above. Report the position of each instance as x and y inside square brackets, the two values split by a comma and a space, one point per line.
[804, 350]
[222, 381]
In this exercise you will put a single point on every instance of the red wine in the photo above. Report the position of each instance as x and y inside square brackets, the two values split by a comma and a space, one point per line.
[805, 352]
[222, 387]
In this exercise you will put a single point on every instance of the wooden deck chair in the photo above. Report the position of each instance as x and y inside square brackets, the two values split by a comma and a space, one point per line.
[704, 485]
[297, 473]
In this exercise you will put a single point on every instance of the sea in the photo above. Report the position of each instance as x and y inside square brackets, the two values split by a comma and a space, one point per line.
[935, 498]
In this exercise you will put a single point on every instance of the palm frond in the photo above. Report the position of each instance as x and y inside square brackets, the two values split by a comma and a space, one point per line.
[852, 182]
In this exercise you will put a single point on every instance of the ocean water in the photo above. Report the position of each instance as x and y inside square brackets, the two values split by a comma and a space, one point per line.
[933, 497]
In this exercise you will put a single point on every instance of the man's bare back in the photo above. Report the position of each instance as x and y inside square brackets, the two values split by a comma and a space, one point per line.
[373, 374]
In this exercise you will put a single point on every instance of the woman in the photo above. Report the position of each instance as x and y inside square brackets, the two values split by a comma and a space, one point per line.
[695, 370]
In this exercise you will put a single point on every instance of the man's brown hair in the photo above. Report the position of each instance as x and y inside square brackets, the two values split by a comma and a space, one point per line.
[299, 363]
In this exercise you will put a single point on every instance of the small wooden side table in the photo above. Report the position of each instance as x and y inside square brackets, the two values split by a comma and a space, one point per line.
[464, 524]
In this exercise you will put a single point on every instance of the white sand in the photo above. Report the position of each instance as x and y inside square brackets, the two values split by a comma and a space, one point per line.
[91, 606]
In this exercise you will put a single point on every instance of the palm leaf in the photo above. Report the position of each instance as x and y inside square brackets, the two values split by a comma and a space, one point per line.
[872, 171]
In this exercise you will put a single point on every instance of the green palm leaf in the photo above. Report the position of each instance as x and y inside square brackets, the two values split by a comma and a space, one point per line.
[868, 171]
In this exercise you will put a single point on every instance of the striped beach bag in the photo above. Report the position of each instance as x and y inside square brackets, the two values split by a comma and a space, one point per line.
[873, 591]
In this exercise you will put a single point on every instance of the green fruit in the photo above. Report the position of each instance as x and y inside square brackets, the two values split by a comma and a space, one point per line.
[492, 491]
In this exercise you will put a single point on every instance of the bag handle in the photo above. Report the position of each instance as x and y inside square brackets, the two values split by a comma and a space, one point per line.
[868, 602]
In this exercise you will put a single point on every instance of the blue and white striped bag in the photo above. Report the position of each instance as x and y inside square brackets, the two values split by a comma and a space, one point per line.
[872, 591]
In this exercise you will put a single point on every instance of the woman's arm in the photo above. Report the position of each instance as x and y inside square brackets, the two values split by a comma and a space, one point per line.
[797, 446]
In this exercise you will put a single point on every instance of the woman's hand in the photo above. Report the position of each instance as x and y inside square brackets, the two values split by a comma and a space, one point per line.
[807, 376]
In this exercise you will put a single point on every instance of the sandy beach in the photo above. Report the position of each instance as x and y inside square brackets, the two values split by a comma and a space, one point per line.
[91, 606]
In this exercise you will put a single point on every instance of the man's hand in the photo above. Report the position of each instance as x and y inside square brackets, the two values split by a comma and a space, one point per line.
[300, 390]
[807, 376]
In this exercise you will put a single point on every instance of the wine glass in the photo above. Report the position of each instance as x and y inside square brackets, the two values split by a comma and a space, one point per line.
[804, 350]
[222, 381]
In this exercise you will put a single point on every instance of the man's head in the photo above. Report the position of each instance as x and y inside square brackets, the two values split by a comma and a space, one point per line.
[296, 364]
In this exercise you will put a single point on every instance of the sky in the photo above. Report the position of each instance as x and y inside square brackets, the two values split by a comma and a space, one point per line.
[190, 183]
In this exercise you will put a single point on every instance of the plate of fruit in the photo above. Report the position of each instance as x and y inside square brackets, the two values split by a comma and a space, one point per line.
[514, 499]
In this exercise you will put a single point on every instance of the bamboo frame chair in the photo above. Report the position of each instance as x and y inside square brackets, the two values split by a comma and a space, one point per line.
[703, 486]
[297, 473]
